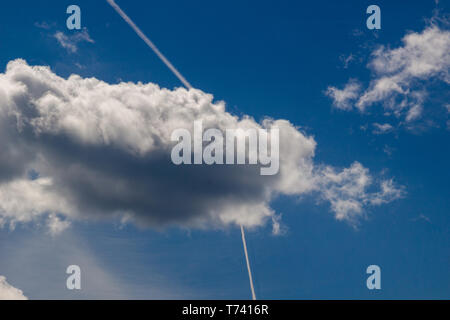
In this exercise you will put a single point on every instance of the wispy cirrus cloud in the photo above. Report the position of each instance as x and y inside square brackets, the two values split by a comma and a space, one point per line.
[44, 25]
[71, 42]
[344, 98]
[382, 128]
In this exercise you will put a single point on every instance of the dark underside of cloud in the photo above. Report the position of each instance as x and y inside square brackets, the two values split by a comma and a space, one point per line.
[86, 149]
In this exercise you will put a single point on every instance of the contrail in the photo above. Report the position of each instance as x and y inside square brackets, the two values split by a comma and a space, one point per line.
[149, 43]
[187, 85]
[248, 263]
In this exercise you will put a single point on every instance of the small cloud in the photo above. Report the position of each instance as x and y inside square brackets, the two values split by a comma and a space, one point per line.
[357, 32]
[347, 191]
[43, 25]
[382, 128]
[346, 60]
[344, 98]
[277, 228]
[414, 113]
[79, 66]
[56, 225]
[388, 150]
[70, 42]
[422, 217]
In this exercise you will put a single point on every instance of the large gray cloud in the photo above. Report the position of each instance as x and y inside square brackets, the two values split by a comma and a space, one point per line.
[84, 149]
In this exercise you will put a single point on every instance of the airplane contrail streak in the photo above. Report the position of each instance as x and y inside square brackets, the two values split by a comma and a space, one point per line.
[248, 263]
[149, 43]
[187, 85]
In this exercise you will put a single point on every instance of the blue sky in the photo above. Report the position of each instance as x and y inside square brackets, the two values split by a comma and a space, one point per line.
[265, 58]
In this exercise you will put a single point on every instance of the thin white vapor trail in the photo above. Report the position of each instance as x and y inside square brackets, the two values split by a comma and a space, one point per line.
[149, 43]
[248, 263]
[187, 85]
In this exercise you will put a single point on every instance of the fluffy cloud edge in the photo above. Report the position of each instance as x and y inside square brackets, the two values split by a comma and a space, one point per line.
[8, 292]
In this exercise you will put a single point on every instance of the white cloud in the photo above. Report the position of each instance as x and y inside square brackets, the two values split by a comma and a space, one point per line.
[422, 217]
[388, 150]
[277, 227]
[22, 200]
[70, 42]
[347, 191]
[102, 151]
[8, 292]
[400, 76]
[346, 60]
[389, 192]
[414, 112]
[344, 98]
[382, 128]
[43, 25]
[56, 225]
